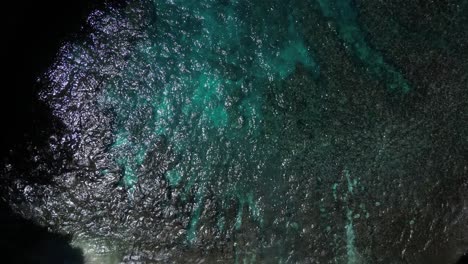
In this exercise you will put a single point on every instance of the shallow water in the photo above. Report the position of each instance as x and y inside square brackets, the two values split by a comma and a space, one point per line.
[254, 132]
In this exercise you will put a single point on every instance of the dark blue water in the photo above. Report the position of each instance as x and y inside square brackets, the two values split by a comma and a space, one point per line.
[258, 132]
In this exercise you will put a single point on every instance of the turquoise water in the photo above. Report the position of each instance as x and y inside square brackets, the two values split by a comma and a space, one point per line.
[215, 66]
[263, 139]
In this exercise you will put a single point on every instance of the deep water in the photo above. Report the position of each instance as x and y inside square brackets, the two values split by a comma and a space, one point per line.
[313, 131]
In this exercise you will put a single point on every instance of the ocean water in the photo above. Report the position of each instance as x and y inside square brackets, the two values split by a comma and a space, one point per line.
[244, 131]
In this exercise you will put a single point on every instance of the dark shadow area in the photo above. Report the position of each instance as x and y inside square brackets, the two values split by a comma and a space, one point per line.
[32, 33]
[23, 242]
[463, 259]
